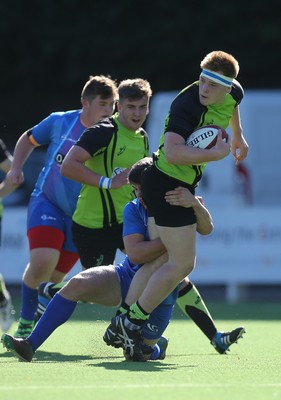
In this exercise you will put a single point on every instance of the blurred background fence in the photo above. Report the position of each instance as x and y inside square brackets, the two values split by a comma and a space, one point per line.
[244, 252]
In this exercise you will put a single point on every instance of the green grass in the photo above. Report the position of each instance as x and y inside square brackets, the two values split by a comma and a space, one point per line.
[74, 363]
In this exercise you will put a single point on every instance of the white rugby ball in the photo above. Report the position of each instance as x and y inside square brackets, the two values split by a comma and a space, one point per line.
[205, 137]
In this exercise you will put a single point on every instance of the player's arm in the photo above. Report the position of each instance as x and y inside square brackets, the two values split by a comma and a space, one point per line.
[22, 151]
[178, 153]
[204, 219]
[239, 146]
[141, 251]
[183, 197]
[5, 187]
[73, 167]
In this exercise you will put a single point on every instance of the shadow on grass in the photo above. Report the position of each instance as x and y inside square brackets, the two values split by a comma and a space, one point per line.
[44, 356]
[111, 363]
[139, 366]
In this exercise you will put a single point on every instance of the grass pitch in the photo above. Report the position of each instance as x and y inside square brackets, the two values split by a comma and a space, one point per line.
[74, 363]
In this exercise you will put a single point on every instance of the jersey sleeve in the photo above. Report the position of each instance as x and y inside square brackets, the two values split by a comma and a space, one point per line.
[237, 92]
[41, 133]
[96, 138]
[132, 220]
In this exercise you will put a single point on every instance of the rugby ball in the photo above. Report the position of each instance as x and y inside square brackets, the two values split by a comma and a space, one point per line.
[205, 137]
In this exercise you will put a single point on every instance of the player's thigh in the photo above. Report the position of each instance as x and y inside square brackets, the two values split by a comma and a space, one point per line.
[98, 285]
[42, 214]
[180, 244]
[152, 228]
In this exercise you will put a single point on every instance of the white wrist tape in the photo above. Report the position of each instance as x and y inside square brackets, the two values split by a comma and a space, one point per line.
[105, 183]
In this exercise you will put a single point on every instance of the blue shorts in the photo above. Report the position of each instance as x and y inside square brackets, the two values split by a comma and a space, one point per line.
[41, 212]
[159, 319]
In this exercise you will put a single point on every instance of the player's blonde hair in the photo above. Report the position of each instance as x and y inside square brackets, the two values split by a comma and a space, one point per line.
[220, 61]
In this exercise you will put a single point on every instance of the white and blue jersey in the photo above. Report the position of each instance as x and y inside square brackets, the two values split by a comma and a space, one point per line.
[60, 131]
[135, 221]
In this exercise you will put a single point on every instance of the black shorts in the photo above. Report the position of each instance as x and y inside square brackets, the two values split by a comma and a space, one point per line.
[97, 246]
[154, 186]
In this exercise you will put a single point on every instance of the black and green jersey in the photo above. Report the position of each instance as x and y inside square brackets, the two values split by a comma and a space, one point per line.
[4, 154]
[185, 115]
[113, 148]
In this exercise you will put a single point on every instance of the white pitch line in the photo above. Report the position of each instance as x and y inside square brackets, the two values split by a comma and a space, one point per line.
[143, 386]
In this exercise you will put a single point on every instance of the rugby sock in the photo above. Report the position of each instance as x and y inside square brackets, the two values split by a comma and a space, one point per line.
[58, 311]
[123, 308]
[191, 303]
[136, 317]
[29, 302]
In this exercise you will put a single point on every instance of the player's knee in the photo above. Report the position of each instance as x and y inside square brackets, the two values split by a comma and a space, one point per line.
[75, 288]
[189, 269]
[183, 268]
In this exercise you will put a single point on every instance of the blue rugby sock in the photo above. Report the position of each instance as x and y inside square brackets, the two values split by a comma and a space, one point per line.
[29, 302]
[58, 311]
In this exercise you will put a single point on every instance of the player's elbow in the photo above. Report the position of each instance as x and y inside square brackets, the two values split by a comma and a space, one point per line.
[208, 230]
[135, 258]
[205, 230]
[171, 156]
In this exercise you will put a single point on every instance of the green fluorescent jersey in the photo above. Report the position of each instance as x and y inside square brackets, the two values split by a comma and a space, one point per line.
[113, 148]
[185, 115]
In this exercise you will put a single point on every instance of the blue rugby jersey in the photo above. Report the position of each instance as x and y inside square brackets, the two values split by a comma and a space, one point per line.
[60, 130]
